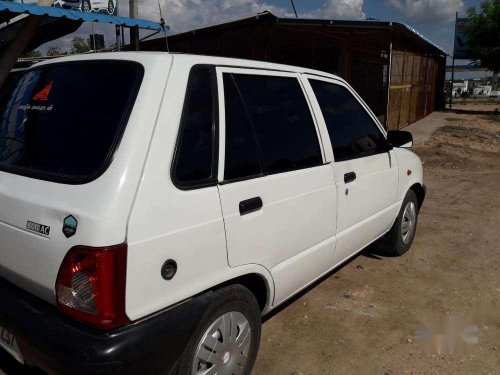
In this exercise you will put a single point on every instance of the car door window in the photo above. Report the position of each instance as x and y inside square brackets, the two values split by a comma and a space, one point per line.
[195, 163]
[352, 131]
[282, 122]
[242, 155]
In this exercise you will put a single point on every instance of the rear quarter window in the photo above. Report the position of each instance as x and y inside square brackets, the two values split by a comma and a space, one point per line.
[63, 122]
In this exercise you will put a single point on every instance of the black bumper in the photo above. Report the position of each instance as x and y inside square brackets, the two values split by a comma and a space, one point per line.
[59, 345]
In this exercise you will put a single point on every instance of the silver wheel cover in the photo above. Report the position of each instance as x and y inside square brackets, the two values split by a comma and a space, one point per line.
[224, 347]
[408, 222]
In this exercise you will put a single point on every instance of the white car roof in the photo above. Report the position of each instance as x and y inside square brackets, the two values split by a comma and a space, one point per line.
[190, 59]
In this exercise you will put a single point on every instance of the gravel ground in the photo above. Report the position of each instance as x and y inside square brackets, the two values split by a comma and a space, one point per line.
[363, 318]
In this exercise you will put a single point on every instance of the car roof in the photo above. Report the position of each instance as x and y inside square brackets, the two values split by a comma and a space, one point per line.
[189, 59]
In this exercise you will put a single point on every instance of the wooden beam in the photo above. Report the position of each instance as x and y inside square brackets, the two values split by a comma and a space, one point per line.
[20, 42]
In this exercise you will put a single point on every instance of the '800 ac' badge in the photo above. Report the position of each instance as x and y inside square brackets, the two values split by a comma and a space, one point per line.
[69, 227]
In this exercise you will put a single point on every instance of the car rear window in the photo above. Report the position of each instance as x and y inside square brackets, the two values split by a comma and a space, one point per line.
[63, 122]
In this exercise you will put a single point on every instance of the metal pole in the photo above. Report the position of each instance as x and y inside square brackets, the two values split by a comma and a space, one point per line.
[93, 37]
[134, 31]
[452, 81]
[294, 10]
[118, 39]
[453, 62]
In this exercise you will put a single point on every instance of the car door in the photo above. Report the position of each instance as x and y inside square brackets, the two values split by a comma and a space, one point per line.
[365, 167]
[277, 191]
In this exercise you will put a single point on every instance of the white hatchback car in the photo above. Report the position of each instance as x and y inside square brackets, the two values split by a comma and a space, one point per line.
[108, 6]
[150, 232]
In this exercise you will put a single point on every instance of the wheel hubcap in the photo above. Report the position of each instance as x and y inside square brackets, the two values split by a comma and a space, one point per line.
[224, 347]
[408, 222]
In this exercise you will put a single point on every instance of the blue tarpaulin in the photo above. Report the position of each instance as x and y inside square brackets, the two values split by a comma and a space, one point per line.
[9, 10]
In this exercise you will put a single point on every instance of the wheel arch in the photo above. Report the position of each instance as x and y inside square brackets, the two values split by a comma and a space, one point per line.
[420, 192]
[256, 283]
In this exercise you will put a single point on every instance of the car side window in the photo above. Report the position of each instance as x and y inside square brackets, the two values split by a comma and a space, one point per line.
[196, 157]
[281, 121]
[352, 131]
[242, 156]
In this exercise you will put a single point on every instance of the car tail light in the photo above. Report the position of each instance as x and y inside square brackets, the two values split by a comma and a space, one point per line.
[91, 285]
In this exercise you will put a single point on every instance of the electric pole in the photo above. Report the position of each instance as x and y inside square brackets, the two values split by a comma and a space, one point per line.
[134, 31]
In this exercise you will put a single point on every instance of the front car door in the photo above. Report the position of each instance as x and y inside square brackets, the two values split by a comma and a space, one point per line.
[277, 190]
[365, 168]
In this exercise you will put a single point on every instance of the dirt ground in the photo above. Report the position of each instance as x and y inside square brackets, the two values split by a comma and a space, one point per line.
[363, 318]
[476, 106]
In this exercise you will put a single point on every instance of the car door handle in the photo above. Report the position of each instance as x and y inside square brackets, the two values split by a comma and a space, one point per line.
[349, 177]
[250, 205]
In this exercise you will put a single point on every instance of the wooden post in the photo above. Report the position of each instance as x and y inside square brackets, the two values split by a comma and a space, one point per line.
[20, 42]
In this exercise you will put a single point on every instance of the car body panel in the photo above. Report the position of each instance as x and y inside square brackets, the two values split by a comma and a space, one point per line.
[101, 207]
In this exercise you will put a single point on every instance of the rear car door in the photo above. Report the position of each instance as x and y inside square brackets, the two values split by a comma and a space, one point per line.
[277, 191]
[365, 167]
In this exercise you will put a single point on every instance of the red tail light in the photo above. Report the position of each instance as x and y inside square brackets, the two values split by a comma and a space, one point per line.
[91, 285]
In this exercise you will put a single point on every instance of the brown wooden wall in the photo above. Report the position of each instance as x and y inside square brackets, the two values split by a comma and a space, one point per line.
[414, 84]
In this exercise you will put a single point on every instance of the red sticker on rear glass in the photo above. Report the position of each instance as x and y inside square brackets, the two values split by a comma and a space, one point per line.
[43, 95]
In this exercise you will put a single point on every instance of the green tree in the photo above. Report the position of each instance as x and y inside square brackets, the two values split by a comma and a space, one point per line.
[79, 45]
[483, 32]
[32, 54]
[55, 51]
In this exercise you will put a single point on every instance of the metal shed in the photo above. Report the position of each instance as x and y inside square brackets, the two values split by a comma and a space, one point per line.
[397, 71]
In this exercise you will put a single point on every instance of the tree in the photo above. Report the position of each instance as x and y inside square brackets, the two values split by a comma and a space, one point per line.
[32, 54]
[483, 32]
[55, 51]
[79, 45]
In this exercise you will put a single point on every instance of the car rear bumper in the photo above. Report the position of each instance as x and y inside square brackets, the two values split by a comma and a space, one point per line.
[59, 345]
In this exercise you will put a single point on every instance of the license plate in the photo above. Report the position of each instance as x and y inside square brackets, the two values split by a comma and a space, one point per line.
[9, 343]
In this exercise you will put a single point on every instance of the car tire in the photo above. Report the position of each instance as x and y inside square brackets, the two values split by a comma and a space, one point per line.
[111, 7]
[399, 239]
[86, 6]
[221, 339]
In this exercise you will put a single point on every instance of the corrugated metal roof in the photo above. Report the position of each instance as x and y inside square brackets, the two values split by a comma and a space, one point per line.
[9, 10]
[375, 23]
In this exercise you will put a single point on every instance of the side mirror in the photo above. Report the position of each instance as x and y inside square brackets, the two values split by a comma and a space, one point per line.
[399, 138]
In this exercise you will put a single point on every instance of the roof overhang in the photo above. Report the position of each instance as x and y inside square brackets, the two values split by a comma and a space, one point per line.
[57, 22]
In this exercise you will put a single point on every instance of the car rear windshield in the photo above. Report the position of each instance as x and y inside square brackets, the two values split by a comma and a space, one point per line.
[63, 122]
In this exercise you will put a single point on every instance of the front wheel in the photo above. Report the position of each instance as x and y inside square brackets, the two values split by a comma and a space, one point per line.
[227, 338]
[111, 7]
[86, 7]
[400, 238]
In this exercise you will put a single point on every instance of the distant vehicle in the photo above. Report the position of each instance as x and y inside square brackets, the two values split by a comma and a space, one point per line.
[155, 206]
[108, 6]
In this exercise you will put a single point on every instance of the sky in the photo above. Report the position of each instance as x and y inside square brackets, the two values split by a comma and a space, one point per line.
[432, 18]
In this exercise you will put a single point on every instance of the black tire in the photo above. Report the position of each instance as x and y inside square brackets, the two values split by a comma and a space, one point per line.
[234, 298]
[111, 6]
[86, 6]
[392, 242]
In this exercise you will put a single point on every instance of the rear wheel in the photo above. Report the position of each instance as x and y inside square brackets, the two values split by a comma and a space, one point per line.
[400, 238]
[228, 337]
